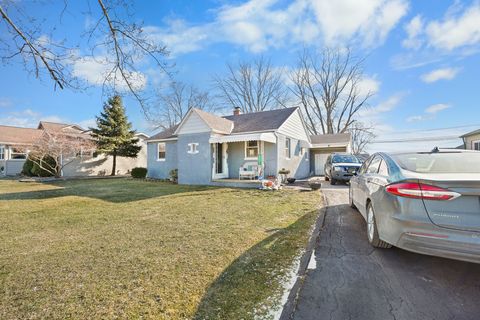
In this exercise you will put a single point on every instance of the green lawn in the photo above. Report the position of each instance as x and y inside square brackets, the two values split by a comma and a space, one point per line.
[120, 248]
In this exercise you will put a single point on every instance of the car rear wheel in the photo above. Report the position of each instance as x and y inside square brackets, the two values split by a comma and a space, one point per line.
[326, 178]
[372, 231]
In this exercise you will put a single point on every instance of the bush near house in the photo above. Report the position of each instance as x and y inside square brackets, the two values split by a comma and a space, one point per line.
[139, 172]
[32, 169]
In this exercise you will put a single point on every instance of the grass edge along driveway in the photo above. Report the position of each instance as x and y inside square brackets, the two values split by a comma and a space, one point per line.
[123, 248]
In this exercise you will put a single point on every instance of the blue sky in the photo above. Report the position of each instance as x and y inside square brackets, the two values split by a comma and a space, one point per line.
[422, 59]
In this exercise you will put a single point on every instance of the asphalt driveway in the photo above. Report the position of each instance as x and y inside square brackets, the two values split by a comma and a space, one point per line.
[352, 280]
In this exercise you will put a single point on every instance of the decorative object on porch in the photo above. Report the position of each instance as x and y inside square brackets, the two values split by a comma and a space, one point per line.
[271, 185]
[249, 170]
[174, 175]
[284, 173]
[291, 180]
[314, 184]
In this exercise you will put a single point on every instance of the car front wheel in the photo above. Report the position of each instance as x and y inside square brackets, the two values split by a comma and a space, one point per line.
[350, 197]
[372, 231]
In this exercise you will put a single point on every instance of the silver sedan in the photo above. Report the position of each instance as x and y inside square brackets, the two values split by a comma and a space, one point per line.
[427, 202]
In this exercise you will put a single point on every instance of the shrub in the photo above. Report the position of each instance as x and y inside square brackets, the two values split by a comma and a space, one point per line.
[174, 175]
[139, 172]
[27, 167]
[40, 172]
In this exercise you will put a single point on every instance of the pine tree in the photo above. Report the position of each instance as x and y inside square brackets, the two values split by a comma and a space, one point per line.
[114, 135]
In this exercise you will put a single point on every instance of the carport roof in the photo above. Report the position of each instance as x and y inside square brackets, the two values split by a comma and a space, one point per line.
[336, 139]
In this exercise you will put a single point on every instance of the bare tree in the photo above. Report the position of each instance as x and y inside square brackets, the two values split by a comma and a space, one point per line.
[252, 86]
[327, 86]
[56, 149]
[176, 101]
[113, 41]
[362, 136]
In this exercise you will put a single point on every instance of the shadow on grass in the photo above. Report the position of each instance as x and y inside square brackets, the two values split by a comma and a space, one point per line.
[114, 190]
[246, 285]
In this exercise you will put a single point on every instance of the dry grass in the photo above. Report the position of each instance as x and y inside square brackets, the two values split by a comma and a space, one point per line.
[134, 249]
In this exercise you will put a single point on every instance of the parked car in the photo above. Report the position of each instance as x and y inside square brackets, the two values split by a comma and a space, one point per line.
[362, 157]
[341, 167]
[426, 202]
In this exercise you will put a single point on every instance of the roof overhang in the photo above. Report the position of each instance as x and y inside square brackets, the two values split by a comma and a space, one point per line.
[330, 145]
[265, 136]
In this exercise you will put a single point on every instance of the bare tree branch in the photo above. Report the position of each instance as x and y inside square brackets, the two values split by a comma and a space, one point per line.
[362, 136]
[327, 86]
[252, 86]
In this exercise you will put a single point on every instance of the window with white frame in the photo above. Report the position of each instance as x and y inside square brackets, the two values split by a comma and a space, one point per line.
[476, 145]
[288, 144]
[18, 154]
[192, 148]
[251, 149]
[2, 152]
[161, 151]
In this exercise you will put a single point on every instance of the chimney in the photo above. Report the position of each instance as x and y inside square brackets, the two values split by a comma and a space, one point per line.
[237, 111]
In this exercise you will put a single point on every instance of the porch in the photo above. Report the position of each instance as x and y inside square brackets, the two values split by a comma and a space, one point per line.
[243, 158]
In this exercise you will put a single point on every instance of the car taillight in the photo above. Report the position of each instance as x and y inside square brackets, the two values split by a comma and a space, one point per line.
[420, 191]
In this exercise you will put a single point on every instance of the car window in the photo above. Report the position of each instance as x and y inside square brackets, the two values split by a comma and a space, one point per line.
[383, 169]
[442, 162]
[344, 158]
[373, 167]
[364, 166]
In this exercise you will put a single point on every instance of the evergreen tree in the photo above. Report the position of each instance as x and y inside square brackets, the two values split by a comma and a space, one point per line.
[114, 135]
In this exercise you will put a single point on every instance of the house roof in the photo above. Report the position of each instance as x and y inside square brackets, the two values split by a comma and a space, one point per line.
[166, 134]
[215, 122]
[17, 135]
[260, 121]
[54, 126]
[471, 133]
[249, 122]
[337, 138]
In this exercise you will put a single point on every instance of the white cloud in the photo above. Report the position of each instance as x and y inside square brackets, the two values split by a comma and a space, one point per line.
[258, 25]
[368, 85]
[371, 21]
[384, 106]
[97, 71]
[88, 123]
[27, 118]
[430, 112]
[437, 108]
[440, 74]
[414, 29]
[457, 29]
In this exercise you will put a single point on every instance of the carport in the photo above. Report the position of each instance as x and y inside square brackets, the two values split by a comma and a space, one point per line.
[323, 145]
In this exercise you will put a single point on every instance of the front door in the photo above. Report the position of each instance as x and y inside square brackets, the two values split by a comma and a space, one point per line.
[220, 167]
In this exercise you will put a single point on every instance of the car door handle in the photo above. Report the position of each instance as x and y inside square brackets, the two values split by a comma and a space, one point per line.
[369, 180]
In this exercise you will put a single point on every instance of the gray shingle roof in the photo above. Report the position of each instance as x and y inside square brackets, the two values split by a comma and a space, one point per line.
[331, 138]
[243, 123]
[260, 121]
[166, 134]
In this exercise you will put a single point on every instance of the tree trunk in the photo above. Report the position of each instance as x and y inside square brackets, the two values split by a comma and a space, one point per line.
[114, 168]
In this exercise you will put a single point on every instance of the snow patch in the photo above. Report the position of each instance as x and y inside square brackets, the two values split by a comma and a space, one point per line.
[312, 263]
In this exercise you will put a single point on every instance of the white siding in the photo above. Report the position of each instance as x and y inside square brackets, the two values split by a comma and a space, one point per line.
[193, 124]
[294, 128]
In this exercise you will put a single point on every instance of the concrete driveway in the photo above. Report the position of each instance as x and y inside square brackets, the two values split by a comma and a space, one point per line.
[352, 280]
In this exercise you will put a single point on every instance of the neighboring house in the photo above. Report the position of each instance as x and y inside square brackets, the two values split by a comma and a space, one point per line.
[15, 141]
[471, 140]
[212, 150]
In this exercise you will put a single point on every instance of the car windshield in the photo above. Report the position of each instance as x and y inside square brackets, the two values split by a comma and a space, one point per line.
[443, 162]
[344, 158]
